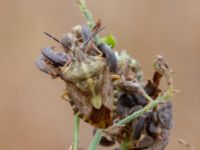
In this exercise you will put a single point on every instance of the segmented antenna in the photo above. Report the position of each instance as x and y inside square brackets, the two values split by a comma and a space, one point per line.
[84, 44]
[54, 38]
[92, 36]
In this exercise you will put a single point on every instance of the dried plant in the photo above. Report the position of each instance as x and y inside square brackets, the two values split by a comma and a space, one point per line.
[106, 89]
[186, 144]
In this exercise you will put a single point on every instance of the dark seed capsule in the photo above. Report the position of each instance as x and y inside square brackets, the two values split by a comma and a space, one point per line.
[129, 103]
[165, 115]
[110, 56]
[140, 99]
[85, 33]
[146, 143]
[67, 41]
[152, 127]
[41, 64]
[127, 100]
[58, 58]
[149, 143]
[139, 127]
[124, 104]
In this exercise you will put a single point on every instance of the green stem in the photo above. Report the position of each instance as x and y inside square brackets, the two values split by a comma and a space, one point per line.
[140, 112]
[95, 141]
[76, 132]
[88, 16]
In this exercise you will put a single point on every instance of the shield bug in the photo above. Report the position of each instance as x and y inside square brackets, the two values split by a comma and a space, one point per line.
[89, 86]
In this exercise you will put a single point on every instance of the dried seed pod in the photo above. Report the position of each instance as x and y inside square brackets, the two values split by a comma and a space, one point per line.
[58, 58]
[165, 115]
[85, 33]
[153, 129]
[127, 100]
[110, 56]
[125, 103]
[149, 143]
[139, 98]
[145, 143]
[138, 128]
[41, 65]
[152, 90]
[47, 66]
[68, 41]
[160, 120]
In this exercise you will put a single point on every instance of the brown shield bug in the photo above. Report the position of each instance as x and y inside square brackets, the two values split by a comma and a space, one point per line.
[89, 86]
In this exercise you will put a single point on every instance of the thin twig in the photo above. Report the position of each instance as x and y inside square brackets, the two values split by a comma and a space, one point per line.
[88, 16]
[186, 144]
[95, 141]
[76, 132]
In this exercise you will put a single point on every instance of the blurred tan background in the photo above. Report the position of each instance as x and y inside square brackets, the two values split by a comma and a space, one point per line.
[33, 116]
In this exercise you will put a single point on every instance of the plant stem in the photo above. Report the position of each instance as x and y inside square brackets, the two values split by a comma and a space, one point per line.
[88, 17]
[95, 141]
[76, 132]
[140, 112]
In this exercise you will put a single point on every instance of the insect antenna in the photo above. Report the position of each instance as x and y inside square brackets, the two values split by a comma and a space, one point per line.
[92, 36]
[54, 38]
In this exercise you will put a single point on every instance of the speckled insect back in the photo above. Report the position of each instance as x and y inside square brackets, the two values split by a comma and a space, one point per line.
[87, 72]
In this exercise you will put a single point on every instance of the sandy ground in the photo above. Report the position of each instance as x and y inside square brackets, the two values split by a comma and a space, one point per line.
[33, 116]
